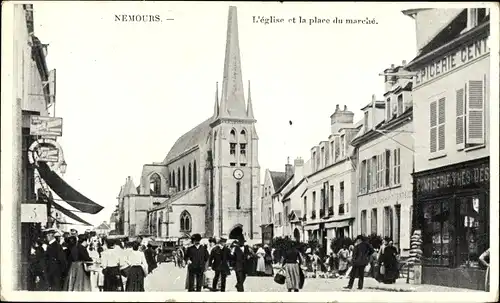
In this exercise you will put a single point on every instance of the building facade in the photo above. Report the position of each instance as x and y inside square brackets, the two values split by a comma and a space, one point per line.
[385, 163]
[328, 204]
[451, 119]
[209, 182]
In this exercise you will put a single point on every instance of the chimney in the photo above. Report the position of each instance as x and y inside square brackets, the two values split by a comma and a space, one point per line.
[403, 63]
[392, 65]
[340, 119]
[337, 108]
[288, 169]
[345, 108]
[298, 170]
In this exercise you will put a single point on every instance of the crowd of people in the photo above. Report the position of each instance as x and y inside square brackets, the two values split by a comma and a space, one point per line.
[87, 262]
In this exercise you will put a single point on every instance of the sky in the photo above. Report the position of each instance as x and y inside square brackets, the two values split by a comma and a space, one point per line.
[127, 90]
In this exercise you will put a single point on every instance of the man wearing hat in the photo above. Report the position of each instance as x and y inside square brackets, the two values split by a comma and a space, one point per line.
[219, 262]
[239, 259]
[55, 261]
[360, 258]
[196, 258]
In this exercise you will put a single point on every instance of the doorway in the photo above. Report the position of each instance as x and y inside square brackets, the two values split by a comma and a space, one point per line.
[296, 235]
[237, 233]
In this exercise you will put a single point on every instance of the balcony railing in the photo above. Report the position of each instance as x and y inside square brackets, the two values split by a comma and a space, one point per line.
[313, 214]
[341, 209]
[330, 211]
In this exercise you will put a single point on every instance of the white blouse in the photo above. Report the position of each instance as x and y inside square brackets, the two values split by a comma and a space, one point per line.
[111, 257]
[137, 258]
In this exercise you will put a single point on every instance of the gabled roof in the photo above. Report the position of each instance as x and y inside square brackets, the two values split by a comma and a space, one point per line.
[278, 178]
[192, 138]
[288, 193]
[129, 188]
[282, 187]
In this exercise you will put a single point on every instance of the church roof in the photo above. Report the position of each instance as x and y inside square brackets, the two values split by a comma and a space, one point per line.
[278, 178]
[129, 188]
[189, 140]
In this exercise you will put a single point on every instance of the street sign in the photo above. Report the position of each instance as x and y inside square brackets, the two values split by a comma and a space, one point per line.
[47, 154]
[33, 213]
[46, 126]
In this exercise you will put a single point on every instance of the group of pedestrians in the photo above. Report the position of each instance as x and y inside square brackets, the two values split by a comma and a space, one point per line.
[87, 262]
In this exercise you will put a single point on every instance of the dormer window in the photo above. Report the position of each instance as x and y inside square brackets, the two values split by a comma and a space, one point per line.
[475, 16]
[342, 146]
[400, 104]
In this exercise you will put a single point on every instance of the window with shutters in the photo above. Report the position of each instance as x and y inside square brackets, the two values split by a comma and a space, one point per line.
[474, 116]
[374, 173]
[387, 173]
[368, 174]
[362, 177]
[363, 222]
[380, 170]
[400, 104]
[374, 221]
[388, 109]
[397, 166]
[437, 125]
[460, 120]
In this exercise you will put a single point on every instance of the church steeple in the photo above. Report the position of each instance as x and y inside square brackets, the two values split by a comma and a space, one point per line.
[249, 103]
[232, 98]
[216, 105]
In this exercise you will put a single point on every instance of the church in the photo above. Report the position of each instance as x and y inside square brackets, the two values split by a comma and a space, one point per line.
[209, 181]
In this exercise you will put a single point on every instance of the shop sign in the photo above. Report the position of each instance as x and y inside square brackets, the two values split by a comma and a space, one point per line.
[47, 154]
[33, 213]
[454, 179]
[46, 126]
[452, 61]
[391, 196]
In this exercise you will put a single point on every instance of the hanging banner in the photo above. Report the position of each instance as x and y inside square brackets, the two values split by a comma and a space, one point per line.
[46, 126]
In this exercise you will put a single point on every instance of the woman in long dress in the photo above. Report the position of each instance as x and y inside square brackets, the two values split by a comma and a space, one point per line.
[261, 264]
[268, 261]
[138, 269]
[343, 256]
[390, 263]
[110, 262]
[291, 264]
[94, 270]
[78, 278]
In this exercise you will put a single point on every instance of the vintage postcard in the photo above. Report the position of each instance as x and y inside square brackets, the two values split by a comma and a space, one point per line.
[302, 152]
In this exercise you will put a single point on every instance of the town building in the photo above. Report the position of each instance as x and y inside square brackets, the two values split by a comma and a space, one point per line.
[328, 204]
[209, 181]
[385, 164]
[451, 99]
[280, 212]
[103, 229]
[273, 180]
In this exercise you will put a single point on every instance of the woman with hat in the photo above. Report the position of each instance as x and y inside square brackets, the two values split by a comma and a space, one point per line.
[110, 262]
[291, 264]
[389, 263]
[78, 278]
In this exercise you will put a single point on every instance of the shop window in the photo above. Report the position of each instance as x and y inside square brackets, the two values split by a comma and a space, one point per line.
[472, 236]
[437, 125]
[185, 222]
[437, 234]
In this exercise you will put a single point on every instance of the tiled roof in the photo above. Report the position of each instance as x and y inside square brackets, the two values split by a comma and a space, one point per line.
[189, 140]
[284, 185]
[278, 178]
[288, 193]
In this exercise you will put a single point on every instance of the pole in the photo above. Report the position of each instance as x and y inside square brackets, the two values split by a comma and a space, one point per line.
[16, 194]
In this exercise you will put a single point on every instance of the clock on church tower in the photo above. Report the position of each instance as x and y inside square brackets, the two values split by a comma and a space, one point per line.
[238, 174]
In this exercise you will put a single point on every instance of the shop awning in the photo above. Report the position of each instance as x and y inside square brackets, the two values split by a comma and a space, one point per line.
[66, 192]
[311, 226]
[338, 224]
[68, 213]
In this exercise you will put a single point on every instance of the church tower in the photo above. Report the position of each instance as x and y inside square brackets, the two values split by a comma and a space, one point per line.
[236, 170]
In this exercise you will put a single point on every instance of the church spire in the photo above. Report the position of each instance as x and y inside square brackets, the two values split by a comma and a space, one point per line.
[216, 105]
[232, 98]
[249, 103]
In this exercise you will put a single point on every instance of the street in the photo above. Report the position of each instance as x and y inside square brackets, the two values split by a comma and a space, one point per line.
[168, 278]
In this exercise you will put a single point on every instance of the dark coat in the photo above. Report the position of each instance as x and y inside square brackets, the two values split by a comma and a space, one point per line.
[219, 259]
[55, 261]
[361, 254]
[197, 256]
[239, 259]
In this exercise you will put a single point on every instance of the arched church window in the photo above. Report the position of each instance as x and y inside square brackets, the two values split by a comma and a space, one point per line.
[185, 222]
[178, 178]
[195, 174]
[172, 181]
[232, 142]
[183, 177]
[243, 136]
[232, 135]
[155, 184]
[238, 189]
[190, 175]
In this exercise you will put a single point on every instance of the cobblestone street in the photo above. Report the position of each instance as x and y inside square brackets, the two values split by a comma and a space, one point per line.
[167, 277]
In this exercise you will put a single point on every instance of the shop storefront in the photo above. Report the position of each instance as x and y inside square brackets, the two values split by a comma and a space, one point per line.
[452, 210]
